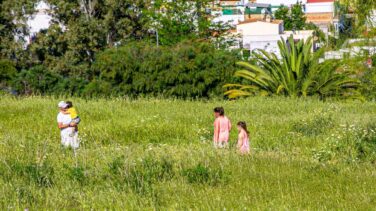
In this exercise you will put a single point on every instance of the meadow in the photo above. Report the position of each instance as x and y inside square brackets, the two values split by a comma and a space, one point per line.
[154, 154]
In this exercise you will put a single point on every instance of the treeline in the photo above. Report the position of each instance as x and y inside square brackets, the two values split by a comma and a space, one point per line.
[138, 47]
[186, 70]
[117, 47]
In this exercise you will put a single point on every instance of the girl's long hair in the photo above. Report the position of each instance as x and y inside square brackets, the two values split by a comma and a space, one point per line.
[244, 126]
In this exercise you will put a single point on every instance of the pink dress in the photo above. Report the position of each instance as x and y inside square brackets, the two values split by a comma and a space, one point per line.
[244, 148]
[223, 125]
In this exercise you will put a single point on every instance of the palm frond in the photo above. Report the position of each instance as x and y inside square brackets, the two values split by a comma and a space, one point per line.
[297, 72]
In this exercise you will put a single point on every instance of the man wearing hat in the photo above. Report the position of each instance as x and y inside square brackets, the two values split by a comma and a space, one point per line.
[68, 133]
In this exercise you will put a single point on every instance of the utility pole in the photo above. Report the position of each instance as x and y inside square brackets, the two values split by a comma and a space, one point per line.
[157, 35]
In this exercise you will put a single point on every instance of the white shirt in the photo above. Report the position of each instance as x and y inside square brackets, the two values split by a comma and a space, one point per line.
[64, 119]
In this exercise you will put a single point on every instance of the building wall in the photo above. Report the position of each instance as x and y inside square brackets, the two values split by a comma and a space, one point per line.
[258, 28]
[269, 43]
[231, 19]
[325, 7]
[279, 2]
[40, 20]
[234, 2]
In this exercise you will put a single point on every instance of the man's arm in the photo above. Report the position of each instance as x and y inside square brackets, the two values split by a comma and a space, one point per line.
[62, 126]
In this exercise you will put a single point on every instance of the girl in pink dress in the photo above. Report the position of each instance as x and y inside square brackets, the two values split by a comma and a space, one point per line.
[222, 128]
[243, 138]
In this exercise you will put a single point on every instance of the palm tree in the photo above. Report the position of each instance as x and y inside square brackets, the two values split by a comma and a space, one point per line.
[297, 73]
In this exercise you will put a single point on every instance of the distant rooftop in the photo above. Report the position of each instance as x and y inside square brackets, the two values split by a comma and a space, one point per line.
[252, 20]
[319, 1]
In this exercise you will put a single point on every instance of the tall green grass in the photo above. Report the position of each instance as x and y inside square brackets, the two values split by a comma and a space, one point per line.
[158, 154]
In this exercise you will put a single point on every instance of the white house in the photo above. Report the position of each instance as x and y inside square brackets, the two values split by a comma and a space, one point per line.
[321, 13]
[265, 34]
[287, 3]
[40, 20]
[233, 15]
[319, 6]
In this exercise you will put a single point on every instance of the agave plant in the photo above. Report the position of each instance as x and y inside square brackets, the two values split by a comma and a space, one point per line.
[297, 72]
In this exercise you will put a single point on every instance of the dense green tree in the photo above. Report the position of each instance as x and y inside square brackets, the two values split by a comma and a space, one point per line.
[37, 80]
[7, 73]
[82, 28]
[181, 19]
[361, 9]
[294, 18]
[187, 70]
[13, 28]
[297, 73]
[282, 13]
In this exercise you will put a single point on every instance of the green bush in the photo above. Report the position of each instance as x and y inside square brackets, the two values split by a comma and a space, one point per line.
[78, 174]
[7, 72]
[31, 173]
[369, 81]
[36, 80]
[201, 174]
[141, 176]
[187, 70]
[366, 143]
[298, 72]
[318, 124]
[353, 143]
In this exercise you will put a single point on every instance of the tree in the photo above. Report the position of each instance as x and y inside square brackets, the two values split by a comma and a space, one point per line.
[190, 69]
[37, 80]
[7, 73]
[297, 73]
[298, 18]
[82, 28]
[293, 19]
[282, 13]
[362, 9]
[181, 20]
[13, 16]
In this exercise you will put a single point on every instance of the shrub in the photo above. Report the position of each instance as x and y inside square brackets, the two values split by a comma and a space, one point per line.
[25, 195]
[187, 70]
[201, 174]
[369, 81]
[350, 144]
[316, 125]
[39, 174]
[141, 176]
[366, 143]
[78, 174]
[36, 80]
[297, 73]
[7, 73]
[97, 88]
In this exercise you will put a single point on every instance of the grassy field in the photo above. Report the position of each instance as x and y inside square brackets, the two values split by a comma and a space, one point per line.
[157, 154]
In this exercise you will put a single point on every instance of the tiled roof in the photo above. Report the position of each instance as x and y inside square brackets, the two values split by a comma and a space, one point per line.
[252, 20]
[319, 1]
